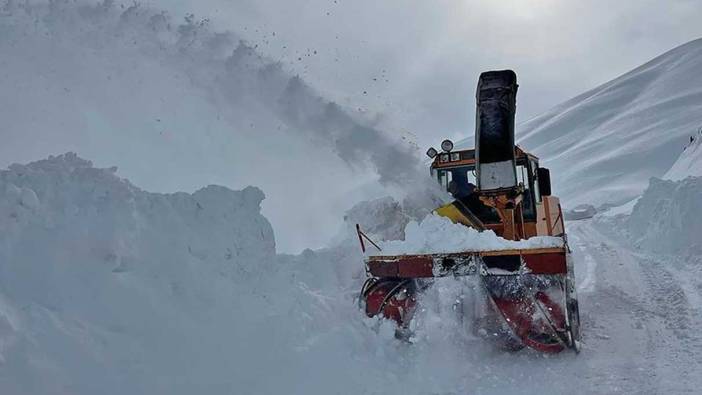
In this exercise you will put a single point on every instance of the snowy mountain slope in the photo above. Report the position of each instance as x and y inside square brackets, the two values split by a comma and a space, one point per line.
[690, 161]
[176, 105]
[605, 144]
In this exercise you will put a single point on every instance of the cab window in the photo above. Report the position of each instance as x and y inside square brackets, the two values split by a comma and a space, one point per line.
[523, 176]
[525, 179]
[463, 178]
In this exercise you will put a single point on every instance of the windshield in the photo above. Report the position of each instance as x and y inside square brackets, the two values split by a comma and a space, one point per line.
[459, 181]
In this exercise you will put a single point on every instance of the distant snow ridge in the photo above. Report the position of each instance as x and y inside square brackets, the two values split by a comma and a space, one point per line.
[666, 218]
[605, 144]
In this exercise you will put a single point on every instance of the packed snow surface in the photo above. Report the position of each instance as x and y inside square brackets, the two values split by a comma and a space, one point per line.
[436, 234]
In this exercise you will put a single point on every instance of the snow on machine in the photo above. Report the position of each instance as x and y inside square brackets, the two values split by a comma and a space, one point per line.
[529, 291]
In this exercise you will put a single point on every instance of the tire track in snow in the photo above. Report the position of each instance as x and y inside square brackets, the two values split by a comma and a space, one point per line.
[624, 351]
[681, 318]
[664, 311]
[580, 254]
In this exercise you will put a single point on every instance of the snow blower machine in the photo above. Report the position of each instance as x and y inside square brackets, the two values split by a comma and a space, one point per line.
[529, 294]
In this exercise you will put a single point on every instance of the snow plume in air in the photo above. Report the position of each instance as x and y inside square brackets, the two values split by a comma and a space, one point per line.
[176, 105]
[395, 161]
[355, 143]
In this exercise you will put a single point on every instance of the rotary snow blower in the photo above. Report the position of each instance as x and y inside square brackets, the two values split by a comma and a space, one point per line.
[530, 294]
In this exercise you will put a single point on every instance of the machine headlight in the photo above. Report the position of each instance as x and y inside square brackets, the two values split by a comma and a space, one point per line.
[447, 145]
[455, 156]
[444, 158]
[431, 152]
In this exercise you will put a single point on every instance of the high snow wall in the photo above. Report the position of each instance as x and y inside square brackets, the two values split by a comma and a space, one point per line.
[666, 219]
[104, 288]
[86, 214]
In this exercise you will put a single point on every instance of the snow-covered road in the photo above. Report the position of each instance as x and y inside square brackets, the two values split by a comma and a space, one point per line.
[641, 316]
[107, 288]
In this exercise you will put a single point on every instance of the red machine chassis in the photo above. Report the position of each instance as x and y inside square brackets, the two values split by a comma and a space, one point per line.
[546, 320]
[536, 261]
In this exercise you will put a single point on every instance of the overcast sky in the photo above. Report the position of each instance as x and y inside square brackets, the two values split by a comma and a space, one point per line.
[413, 65]
[410, 66]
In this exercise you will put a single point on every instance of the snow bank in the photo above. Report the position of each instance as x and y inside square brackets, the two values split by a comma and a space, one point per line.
[383, 218]
[666, 219]
[436, 234]
[106, 288]
[93, 214]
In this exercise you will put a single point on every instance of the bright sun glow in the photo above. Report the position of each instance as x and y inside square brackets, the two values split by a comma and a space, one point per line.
[518, 9]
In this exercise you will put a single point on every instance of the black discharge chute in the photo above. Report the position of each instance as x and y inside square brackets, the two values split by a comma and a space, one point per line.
[496, 98]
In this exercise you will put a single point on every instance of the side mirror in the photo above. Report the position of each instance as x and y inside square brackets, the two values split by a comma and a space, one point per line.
[543, 175]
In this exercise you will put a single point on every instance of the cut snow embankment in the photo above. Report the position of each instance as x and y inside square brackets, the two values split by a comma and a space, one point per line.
[106, 288]
[436, 234]
[88, 214]
[666, 219]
